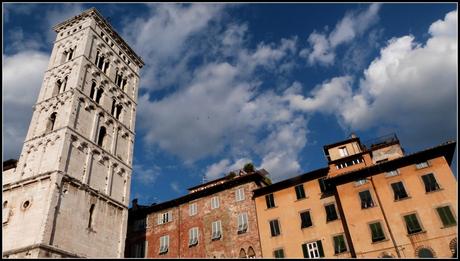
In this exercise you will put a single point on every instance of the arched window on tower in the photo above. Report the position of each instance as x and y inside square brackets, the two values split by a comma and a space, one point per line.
[51, 122]
[90, 220]
[57, 88]
[106, 66]
[118, 111]
[125, 80]
[97, 58]
[101, 62]
[101, 136]
[99, 95]
[113, 107]
[64, 84]
[93, 90]
[116, 76]
[70, 55]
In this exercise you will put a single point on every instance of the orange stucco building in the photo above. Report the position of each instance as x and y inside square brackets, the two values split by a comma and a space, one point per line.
[370, 201]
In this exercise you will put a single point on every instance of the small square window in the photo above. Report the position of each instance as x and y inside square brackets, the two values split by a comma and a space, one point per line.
[305, 219]
[339, 244]
[331, 213]
[299, 191]
[275, 228]
[279, 253]
[377, 232]
[270, 200]
[446, 216]
[412, 224]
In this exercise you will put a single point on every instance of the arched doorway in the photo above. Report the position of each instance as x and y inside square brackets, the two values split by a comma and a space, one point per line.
[242, 253]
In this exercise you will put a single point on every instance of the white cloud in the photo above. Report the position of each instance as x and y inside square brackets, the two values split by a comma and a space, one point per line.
[162, 38]
[353, 24]
[175, 186]
[145, 175]
[223, 167]
[410, 86]
[22, 78]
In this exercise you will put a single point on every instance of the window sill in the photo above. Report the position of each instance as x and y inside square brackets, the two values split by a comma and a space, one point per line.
[342, 253]
[329, 221]
[368, 207]
[306, 227]
[381, 241]
[417, 233]
[300, 199]
[433, 191]
[401, 199]
[449, 226]
[271, 208]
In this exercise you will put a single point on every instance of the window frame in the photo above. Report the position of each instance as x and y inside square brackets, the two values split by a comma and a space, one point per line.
[403, 188]
[301, 220]
[319, 248]
[344, 242]
[270, 198]
[342, 150]
[215, 202]
[361, 200]
[192, 206]
[164, 244]
[278, 226]
[193, 233]
[418, 221]
[243, 226]
[335, 211]
[239, 194]
[437, 187]
[451, 212]
[275, 251]
[302, 192]
[216, 234]
[371, 233]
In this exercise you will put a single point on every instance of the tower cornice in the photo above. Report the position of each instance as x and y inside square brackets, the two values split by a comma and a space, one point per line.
[100, 20]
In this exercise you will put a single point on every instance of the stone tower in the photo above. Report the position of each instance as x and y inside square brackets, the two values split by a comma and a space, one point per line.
[68, 195]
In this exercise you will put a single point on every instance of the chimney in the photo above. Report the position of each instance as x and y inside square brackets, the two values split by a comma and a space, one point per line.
[353, 135]
[135, 206]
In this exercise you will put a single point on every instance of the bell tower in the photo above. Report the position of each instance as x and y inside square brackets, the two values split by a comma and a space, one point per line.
[69, 193]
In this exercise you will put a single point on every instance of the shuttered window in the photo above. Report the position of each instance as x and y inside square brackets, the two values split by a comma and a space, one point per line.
[446, 216]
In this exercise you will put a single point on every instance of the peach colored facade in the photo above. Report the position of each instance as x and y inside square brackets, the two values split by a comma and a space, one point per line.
[397, 191]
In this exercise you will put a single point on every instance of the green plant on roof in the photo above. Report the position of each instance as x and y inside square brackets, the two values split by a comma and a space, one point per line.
[231, 175]
[248, 167]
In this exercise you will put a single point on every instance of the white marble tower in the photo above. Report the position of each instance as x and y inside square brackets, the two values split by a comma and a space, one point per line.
[69, 193]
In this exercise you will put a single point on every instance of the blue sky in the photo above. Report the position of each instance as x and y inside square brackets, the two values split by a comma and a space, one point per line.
[225, 84]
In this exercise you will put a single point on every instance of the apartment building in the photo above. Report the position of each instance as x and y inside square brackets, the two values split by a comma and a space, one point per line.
[371, 201]
[215, 220]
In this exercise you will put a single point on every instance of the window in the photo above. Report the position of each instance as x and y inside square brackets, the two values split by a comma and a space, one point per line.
[366, 199]
[51, 121]
[422, 165]
[251, 253]
[299, 191]
[64, 83]
[165, 217]
[102, 133]
[425, 253]
[100, 63]
[193, 237]
[313, 249]
[242, 253]
[214, 202]
[216, 230]
[118, 111]
[305, 219]
[270, 200]
[324, 186]
[123, 84]
[339, 244]
[242, 223]
[399, 191]
[446, 216]
[331, 213]
[239, 194]
[113, 107]
[392, 173]
[412, 224]
[106, 66]
[164, 244]
[349, 163]
[377, 232]
[279, 253]
[90, 220]
[5, 212]
[93, 90]
[275, 228]
[70, 54]
[193, 209]
[430, 182]
[343, 151]
[57, 89]
[99, 95]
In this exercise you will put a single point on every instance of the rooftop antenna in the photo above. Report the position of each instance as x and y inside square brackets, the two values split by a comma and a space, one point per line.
[204, 179]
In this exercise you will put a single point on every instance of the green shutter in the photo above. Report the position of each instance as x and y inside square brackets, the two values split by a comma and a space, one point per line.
[305, 251]
[320, 248]
[446, 216]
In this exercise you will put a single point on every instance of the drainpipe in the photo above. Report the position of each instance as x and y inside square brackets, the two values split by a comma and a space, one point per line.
[344, 223]
[179, 230]
[385, 218]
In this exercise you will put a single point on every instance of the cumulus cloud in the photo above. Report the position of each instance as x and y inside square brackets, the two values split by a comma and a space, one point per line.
[145, 175]
[411, 86]
[353, 24]
[223, 167]
[22, 78]
[163, 37]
